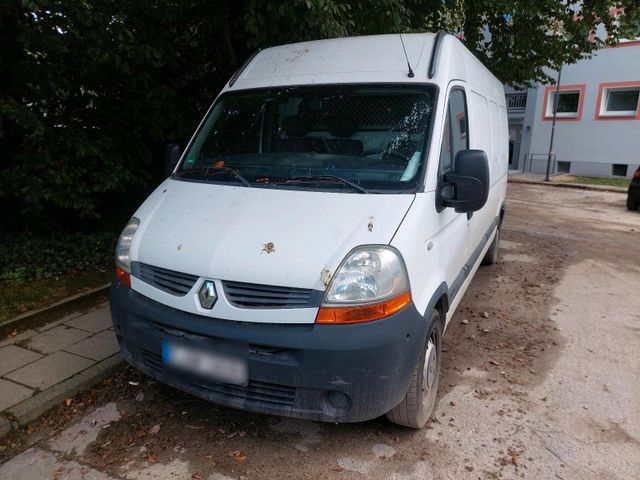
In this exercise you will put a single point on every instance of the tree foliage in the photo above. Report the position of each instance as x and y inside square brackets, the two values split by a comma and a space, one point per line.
[521, 40]
[91, 90]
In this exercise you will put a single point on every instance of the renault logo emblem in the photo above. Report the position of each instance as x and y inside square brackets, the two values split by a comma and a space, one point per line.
[207, 294]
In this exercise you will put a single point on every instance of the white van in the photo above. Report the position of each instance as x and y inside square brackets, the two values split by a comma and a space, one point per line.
[319, 230]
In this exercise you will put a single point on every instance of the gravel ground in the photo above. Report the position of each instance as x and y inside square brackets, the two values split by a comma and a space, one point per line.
[541, 380]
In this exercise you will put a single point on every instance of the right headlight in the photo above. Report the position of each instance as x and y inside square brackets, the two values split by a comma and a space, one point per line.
[123, 261]
[371, 283]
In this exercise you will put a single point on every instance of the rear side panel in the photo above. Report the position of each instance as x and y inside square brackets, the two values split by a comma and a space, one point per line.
[488, 128]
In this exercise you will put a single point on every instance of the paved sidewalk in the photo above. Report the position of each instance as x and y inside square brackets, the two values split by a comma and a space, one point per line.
[38, 368]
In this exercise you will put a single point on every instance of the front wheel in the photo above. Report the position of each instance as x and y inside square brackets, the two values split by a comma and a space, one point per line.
[633, 202]
[416, 407]
[491, 256]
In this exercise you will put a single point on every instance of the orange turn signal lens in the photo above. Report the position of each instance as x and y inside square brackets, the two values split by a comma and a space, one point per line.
[365, 313]
[123, 276]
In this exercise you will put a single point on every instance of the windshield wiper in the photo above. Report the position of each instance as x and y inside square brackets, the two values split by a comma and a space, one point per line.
[316, 179]
[213, 171]
[235, 173]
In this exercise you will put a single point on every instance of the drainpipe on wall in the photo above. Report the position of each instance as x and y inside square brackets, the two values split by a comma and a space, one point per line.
[553, 124]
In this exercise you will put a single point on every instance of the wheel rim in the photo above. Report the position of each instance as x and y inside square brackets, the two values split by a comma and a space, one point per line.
[430, 370]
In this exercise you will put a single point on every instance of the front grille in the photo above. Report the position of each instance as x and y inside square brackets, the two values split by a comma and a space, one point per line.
[175, 283]
[263, 392]
[255, 391]
[249, 295]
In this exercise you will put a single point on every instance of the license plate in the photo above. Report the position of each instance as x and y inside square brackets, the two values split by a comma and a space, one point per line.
[214, 366]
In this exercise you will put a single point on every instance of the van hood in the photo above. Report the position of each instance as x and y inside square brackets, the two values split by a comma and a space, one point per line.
[290, 238]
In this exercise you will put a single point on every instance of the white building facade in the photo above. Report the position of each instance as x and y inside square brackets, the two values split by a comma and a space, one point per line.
[597, 130]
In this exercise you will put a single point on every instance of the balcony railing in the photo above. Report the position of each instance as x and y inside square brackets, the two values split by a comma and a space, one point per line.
[516, 101]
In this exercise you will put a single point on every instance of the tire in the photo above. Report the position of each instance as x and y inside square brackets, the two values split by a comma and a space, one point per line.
[633, 202]
[492, 254]
[419, 401]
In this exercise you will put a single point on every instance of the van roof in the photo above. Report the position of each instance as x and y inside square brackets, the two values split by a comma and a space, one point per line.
[366, 59]
[339, 60]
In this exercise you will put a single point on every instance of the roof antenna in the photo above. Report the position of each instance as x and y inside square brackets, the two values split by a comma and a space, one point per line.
[410, 74]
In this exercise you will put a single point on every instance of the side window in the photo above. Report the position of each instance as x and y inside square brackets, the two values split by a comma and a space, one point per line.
[456, 128]
[446, 158]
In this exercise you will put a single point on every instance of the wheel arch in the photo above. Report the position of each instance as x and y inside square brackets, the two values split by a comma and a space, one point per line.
[439, 301]
[503, 210]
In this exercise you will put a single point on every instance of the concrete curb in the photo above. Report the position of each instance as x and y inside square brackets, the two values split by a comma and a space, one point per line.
[37, 318]
[577, 186]
[30, 409]
[5, 426]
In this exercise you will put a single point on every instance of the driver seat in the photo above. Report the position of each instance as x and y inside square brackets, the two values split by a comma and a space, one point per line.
[342, 128]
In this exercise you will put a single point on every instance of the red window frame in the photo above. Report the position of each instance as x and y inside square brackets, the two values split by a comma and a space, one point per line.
[601, 89]
[549, 89]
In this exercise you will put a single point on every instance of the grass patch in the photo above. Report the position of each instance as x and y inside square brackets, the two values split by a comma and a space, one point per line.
[39, 270]
[26, 257]
[605, 181]
[22, 296]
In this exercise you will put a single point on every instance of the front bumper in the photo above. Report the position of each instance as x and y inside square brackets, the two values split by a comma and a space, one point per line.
[337, 373]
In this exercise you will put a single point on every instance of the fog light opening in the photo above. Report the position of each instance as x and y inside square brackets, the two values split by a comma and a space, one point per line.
[338, 400]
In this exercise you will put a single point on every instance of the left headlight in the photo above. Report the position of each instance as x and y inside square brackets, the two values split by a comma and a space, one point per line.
[371, 283]
[123, 261]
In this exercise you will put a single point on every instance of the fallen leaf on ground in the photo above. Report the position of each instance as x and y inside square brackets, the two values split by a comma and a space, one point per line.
[237, 456]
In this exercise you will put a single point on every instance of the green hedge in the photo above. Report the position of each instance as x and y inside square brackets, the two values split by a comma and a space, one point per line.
[92, 91]
[23, 257]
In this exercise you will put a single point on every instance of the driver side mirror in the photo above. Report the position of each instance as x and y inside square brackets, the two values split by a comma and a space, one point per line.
[172, 157]
[466, 189]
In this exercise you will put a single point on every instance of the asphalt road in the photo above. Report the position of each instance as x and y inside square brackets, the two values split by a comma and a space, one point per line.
[541, 380]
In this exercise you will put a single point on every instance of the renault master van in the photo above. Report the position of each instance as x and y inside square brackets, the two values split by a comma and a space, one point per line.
[312, 242]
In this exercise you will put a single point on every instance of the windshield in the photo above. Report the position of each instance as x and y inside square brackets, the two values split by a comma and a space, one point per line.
[346, 137]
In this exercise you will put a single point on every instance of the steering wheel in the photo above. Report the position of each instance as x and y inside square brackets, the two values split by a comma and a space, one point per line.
[387, 153]
[371, 151]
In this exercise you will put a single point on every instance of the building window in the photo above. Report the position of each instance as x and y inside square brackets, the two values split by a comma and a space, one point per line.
[618, 101]
[567, 104]
[619, 170]
[622, 102]
[570, 100]
[564, 167]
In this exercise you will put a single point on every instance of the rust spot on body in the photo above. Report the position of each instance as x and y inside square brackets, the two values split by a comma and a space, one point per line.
[370, 225]
[268, 248]
[179, 246]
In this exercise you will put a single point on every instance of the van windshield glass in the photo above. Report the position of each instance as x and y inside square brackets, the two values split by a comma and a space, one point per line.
[344, 137]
